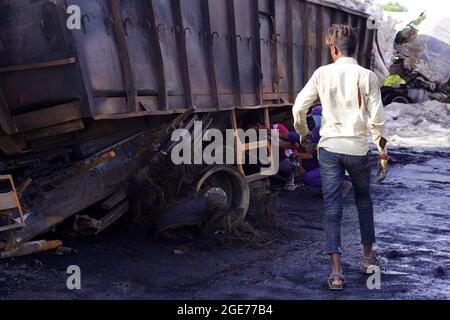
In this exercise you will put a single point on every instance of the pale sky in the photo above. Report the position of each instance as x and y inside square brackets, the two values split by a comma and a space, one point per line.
[416, 7]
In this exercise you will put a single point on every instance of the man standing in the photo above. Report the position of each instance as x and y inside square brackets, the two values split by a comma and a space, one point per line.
[351, 98]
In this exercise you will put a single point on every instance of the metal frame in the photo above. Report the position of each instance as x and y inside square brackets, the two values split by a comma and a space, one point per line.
[242, 147]
[14, 197]
[228, 33]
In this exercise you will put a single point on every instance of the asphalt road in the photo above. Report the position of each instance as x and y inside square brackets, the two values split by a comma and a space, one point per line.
[413, 228]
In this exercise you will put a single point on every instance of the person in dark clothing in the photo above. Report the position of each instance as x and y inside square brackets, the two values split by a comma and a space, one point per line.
[289, 148]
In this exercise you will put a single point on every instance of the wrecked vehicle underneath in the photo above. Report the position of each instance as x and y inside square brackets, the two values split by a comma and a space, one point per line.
[421, 60]
[86, 113]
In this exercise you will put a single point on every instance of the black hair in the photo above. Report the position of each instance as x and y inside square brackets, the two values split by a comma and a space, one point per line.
[344, 38]
[311, 123]
[252, 119]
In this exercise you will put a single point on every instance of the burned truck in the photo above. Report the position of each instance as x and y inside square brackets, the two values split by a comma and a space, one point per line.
[421, 62]
[84, 111]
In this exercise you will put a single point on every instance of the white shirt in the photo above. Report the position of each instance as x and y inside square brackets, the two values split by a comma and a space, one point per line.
[351, 99]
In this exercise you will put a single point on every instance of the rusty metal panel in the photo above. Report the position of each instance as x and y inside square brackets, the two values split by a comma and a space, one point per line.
[320, 36]
[290, 49]
[222, 54]
[327, 22]
[361, 41]
[102, 63]
[142, 57]
[368, 44]
[97, 48]
[232, 41]
[246, 50]
[299, 49]
[266, 11]
[32, 34]
[6, 122]
[135, 23]
[280, 41]
[340, 17]
[196, 54]
[205, 37]
[166, 29]
[312, 42]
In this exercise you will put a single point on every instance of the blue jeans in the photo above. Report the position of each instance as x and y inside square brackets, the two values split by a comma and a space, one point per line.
[332, 167]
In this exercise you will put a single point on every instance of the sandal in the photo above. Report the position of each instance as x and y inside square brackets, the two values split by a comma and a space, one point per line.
[374, 263]
[334, 277]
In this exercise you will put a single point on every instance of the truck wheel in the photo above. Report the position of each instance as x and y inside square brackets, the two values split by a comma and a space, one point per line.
[400, 99]
[395, 97]
[230, 180]
[189, 215]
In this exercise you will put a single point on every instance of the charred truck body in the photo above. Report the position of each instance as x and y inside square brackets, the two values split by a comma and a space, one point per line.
[83, 111]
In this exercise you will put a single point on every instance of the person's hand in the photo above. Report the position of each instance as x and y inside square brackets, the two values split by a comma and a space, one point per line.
[304, 156]
[383, 168]
[307, 139]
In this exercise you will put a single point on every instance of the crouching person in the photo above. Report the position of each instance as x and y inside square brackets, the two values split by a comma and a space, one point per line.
[288, 146]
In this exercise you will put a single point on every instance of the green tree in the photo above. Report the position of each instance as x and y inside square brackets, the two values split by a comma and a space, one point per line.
[394, 6]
